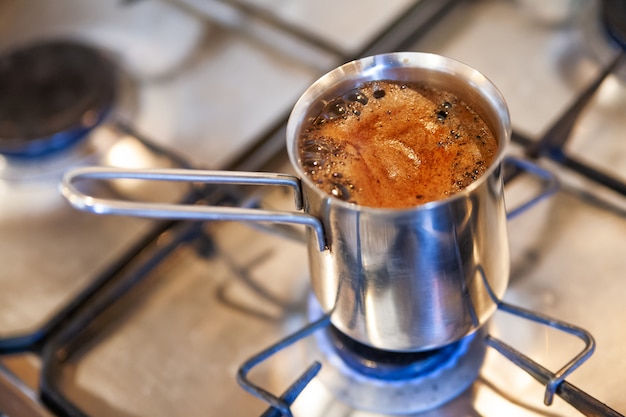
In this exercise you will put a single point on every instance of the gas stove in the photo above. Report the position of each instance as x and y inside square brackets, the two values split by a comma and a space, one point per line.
[115, 316]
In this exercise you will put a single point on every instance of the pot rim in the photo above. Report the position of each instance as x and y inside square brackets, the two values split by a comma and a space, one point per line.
[374, 68]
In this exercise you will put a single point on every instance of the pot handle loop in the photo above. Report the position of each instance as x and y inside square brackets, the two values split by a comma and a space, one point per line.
[85, 202]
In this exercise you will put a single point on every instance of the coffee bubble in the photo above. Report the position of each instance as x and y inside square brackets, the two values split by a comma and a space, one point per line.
[356, 95]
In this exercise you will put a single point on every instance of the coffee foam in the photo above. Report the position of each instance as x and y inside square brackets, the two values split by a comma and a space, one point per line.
[393, 145]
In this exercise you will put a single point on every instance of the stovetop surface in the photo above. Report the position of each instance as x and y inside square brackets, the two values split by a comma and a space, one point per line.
[172, 344]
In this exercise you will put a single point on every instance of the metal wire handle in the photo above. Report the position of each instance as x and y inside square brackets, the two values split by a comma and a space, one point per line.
[119, 207]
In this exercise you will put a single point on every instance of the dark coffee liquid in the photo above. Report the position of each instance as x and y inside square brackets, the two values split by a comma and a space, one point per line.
[389, 144]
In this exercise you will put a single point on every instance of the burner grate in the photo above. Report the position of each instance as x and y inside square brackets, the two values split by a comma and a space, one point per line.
[555, 382]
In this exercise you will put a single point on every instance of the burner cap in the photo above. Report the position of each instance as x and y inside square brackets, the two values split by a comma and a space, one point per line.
[400, 383]
[51, 95]
[388, 365]
[614, 15]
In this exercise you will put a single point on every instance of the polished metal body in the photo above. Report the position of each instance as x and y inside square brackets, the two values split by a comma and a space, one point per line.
[408, 279]
[395, 279]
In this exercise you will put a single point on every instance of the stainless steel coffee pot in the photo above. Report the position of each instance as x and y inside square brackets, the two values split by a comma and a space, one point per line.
[397, 279]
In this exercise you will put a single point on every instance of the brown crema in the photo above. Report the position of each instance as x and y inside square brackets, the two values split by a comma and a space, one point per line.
[395, 145]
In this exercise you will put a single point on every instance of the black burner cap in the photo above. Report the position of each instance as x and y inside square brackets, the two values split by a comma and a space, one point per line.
[614, 15]
[51, 95]
[388, 365]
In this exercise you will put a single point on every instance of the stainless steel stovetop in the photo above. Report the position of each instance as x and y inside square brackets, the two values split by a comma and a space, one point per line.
[108, 316]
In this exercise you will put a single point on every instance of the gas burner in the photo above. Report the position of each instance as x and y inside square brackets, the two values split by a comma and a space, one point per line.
[388, 365]
[614, 15]
[393, 382]
[397, 382]
[51, 95]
